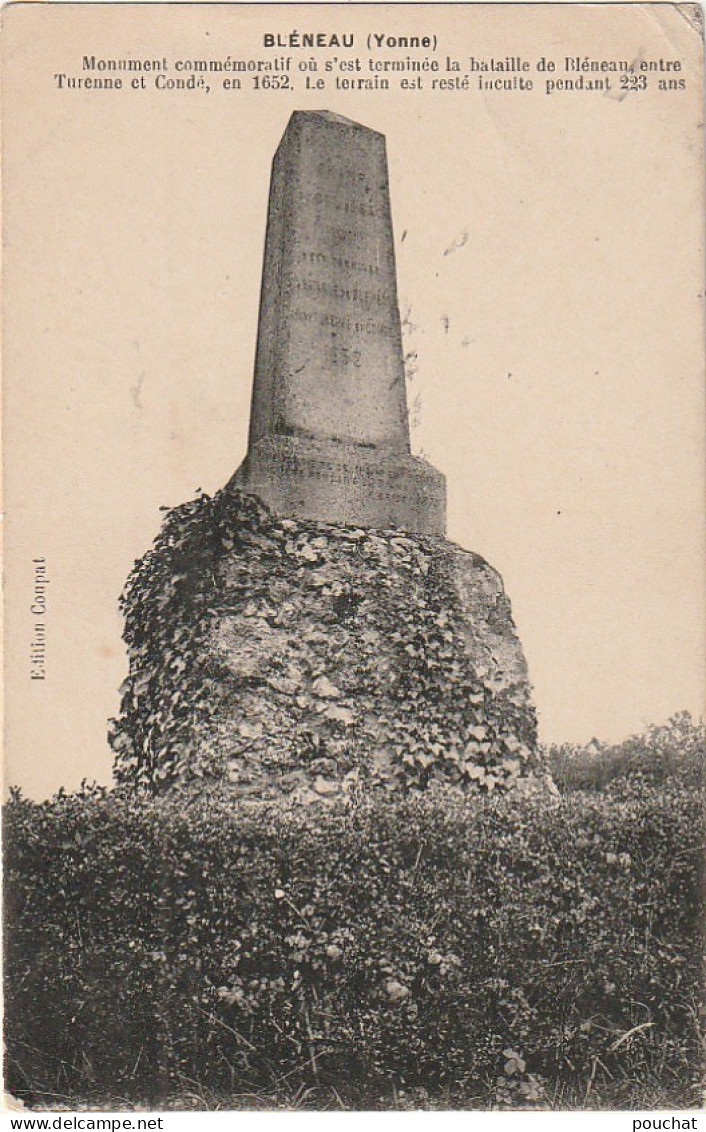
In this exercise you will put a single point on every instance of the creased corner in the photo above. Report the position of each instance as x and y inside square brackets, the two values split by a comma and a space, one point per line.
[694, 16]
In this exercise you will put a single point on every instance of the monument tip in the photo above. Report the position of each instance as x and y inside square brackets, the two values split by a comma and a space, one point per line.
[331, 117]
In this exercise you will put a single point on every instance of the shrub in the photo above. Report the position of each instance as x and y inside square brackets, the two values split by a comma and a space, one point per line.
[416, 942]
[676, 749]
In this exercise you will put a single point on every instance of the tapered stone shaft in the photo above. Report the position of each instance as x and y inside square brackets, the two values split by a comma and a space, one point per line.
[329, 352]
[329, 431]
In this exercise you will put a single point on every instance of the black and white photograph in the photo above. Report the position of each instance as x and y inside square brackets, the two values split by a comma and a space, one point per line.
[355, 651]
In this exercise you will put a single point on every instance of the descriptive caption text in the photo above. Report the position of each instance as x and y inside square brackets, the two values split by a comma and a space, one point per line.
[324, 62]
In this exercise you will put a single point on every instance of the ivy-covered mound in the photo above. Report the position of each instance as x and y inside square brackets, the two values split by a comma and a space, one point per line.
[282, 656]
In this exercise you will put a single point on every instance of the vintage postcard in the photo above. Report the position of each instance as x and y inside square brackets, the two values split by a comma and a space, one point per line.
[354, 578]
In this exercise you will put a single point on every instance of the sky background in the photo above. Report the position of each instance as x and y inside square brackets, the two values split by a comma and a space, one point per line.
[549, 253]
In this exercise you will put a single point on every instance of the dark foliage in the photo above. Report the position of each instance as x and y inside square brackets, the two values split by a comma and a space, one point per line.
[478, 946]
[347, 654]
[676, 749]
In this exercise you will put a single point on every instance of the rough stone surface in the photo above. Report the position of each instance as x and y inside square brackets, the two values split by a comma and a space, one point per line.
[329, 432]
[304, 659]
[365, 486]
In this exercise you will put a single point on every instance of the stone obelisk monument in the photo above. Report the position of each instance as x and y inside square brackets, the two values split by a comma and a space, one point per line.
[329, 432]
[309, 627]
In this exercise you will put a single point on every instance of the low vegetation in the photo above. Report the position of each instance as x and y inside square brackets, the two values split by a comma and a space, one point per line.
[432, 950]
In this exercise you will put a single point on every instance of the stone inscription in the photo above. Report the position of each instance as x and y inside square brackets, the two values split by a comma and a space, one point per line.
[333, 321]
[322, 287]
[318, 259]
[377, 483]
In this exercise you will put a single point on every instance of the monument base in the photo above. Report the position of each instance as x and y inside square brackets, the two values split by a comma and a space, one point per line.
[336, 482]
[277, 657]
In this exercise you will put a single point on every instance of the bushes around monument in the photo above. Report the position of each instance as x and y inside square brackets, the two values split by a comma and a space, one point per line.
[482, 949]
[676, 748]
